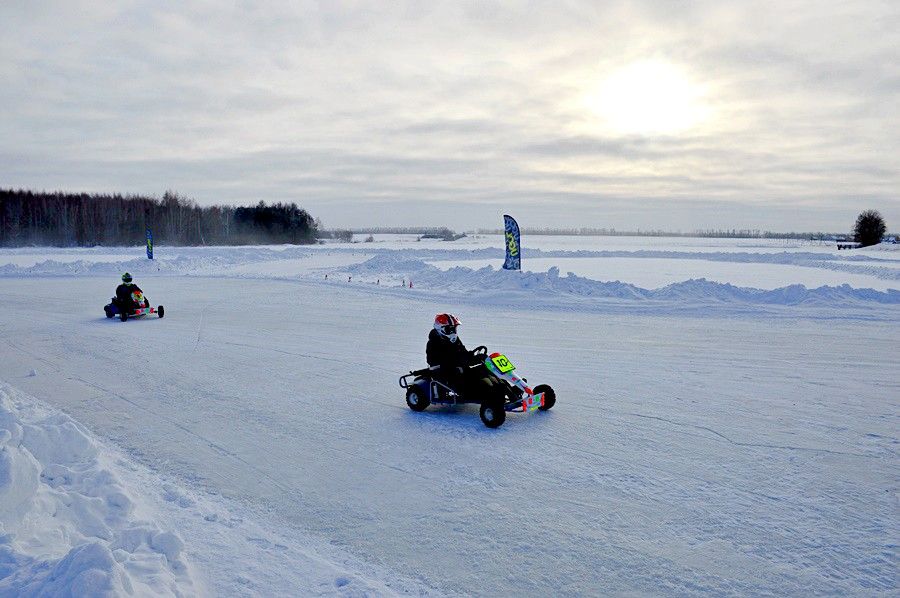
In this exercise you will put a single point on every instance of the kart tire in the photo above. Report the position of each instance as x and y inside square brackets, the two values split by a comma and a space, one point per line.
[417, 398]
[108, 312]
[123, 315]
[492, 413]
[549, 396]
[161, 311]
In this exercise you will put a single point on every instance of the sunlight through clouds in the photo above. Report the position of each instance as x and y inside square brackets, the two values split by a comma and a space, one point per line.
[648, 98]
[631, 114]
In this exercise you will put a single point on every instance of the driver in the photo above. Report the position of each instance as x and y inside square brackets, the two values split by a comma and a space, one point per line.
[444, 349]
[124, 300]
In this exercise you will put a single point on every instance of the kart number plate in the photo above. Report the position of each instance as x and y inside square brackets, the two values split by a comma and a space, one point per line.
[503, 364]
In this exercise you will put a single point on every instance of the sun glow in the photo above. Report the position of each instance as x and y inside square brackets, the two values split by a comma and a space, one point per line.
[648, 98]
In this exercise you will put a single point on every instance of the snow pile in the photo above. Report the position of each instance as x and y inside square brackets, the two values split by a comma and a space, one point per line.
[218, 261]
[185, 264]
[487, 280]
[882, 247]
[180, 260]
[397, 266]
[878, 265]
[67, 525]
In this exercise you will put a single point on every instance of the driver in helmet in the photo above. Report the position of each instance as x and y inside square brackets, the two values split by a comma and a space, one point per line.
[444, 347]
[124, 300]
[446, 350]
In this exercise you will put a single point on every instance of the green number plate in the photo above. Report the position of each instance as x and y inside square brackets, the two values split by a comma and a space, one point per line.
[503, 364]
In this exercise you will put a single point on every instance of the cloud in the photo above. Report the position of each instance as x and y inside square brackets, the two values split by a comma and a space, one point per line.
[408, 112]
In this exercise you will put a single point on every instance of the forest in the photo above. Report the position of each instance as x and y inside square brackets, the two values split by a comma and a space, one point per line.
[84, 220]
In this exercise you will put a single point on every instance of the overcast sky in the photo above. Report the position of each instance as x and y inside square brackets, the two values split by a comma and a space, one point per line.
[669, 115]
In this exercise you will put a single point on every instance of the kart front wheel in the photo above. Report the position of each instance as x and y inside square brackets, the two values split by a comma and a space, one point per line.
[161, 311]
[108, 312]
[123, 315]
[493, 414]
[416, 398]
[549, 396]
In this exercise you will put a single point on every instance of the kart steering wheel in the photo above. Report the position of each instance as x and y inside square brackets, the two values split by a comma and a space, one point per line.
[479, 351]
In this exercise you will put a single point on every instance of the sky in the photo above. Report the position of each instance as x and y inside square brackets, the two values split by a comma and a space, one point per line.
[652, 114]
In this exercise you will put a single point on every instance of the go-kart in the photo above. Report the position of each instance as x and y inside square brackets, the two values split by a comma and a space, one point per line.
[141, 307]
[510, 393]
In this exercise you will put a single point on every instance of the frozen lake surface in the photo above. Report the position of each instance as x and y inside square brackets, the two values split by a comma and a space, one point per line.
[705, 442]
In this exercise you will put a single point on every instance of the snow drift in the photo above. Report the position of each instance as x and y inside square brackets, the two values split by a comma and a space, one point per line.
[485, 280]
[67, 525]
[880, 264]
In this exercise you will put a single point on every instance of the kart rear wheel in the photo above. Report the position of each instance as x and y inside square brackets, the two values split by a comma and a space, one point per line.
[123, 315]
[161, 311]
[492, 413]
[549, 396]
[417, 397]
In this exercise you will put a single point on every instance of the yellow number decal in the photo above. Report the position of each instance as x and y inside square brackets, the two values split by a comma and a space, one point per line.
[503, 364]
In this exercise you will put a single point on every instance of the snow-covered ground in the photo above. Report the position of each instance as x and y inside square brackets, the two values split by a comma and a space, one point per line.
[69, 526]
[654, 273]
[709, 438]
[754, 263]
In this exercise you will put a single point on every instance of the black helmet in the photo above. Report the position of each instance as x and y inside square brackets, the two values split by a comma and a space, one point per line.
[126, 278]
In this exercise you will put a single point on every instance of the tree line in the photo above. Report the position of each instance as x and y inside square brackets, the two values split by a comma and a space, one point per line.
[84, 220]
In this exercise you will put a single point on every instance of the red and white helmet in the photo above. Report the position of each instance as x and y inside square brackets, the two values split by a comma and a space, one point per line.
[446, 324]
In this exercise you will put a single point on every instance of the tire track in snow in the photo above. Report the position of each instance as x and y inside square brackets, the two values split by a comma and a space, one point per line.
[221, 449]
[200, 327]
[350, 362]
[682, 476]
[229, 453]
[750, 444]
[218, 447]
[211, 443]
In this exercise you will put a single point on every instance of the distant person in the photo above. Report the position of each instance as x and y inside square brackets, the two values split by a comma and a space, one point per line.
[124, 295]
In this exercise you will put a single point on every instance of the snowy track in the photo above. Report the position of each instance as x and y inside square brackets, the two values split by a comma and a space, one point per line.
[686, 455]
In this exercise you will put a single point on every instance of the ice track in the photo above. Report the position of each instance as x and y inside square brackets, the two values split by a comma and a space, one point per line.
[686, 455]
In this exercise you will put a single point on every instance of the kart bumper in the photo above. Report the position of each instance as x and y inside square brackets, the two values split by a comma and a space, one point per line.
[527, 403]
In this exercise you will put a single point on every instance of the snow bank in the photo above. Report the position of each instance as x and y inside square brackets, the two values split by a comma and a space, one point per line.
[880, 263]
[392, 265]
[487, 280]
[179, 260]
[77, 519]
[68, 527]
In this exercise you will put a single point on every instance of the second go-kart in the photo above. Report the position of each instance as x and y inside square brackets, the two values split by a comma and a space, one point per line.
[140, 307]
[510, 393]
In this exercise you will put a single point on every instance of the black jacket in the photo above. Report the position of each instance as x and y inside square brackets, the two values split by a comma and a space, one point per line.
[124, 291]
[440, 351]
